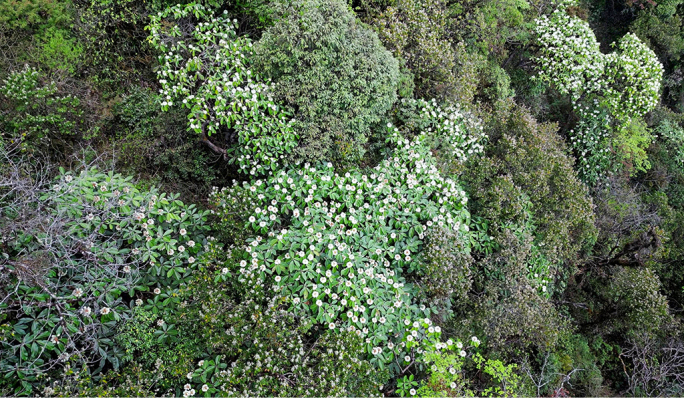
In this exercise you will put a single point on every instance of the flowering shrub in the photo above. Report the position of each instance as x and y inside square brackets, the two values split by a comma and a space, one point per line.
[571, 60]
[591, 141]
[35, 111]
[339, 247]
[258, 348]
[207, 70]
[570, 57]
[625, 83]
[94, 242]
[459, 133]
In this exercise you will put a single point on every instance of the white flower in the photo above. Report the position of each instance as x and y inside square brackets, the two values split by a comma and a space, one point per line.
[183, 232]
[407, 358]
[105, 311]
[191, 243]
[191, 259]
[85, 311]
[224, 270]
[277, 279]
[181, 248]
[462, 353]
[205, 388]
[412, 391]
[138, 302]
[157, 291]
[77, 292]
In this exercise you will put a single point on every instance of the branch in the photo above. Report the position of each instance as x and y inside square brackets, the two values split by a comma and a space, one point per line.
[211, 145]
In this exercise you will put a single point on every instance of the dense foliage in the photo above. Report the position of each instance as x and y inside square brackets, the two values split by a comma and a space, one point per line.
[389, 198]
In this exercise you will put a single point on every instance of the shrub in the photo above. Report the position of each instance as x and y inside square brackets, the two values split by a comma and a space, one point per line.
[446, 269]
[339, 247]
[635, 293]
[526, 159]
[79, 254]
[218, 88]
[333, 71]
[254, 346]
[416, 31]
[35, 112]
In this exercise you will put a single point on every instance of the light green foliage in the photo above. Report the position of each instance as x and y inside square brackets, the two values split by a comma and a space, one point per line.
[333, 71]
[339, 246]
[35, 111]
[207, 73]
[631, 142]
[448, 374]
[95, 241]
[58, 52]
[23, 14]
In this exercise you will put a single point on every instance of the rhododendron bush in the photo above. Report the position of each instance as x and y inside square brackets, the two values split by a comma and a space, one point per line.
[345, 248]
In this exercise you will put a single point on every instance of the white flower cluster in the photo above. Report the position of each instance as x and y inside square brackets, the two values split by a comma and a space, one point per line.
[571, 60]
[459, 130]
[637, 77]
[208, 71]
[570, 55]
[338, 244]
[24, 86]
[590, 141]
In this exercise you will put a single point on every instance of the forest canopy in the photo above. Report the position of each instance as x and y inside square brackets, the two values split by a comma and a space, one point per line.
[313, 198]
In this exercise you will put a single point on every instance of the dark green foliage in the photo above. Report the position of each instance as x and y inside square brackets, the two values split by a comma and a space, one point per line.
[528, 159]
[156, 145]
[446, 270]
[415, 31]
[333, 71]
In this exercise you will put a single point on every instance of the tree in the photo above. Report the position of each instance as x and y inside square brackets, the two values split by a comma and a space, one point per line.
[333, 71]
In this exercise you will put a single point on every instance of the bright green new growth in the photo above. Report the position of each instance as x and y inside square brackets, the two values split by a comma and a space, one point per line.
[208, 72]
